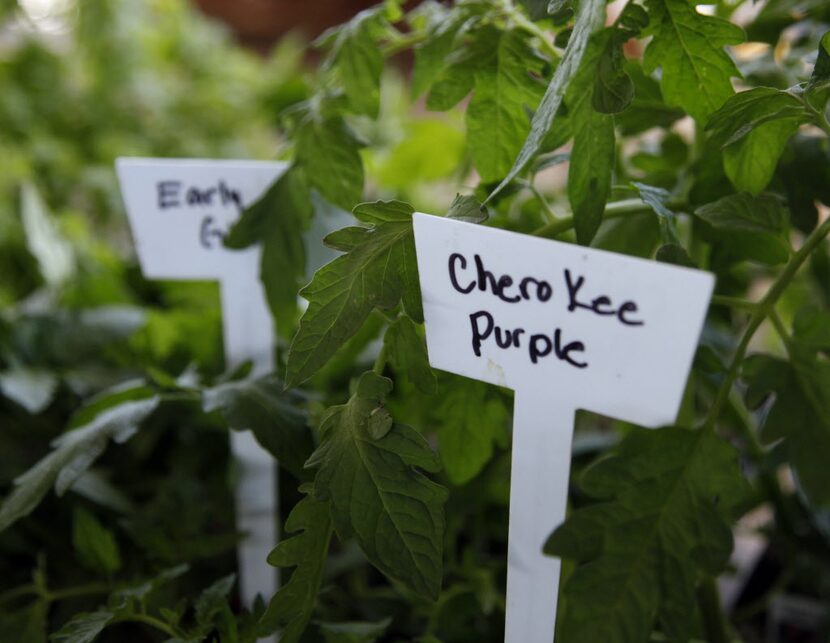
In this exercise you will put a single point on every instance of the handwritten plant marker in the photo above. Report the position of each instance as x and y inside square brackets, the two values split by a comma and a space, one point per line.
[567, 328]
[179, 212]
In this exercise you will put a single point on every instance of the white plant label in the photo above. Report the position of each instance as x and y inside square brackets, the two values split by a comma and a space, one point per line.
[179, 212]
[567, 328]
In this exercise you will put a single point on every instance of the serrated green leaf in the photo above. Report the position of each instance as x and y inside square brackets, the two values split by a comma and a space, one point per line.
[213, 600]
[613, 89]
[407, 352]
[590, 17]
[467, 208]
[593, 153]
[431, 54]
[471, 420]
[400, 524]
[751, 227]
[746, 111]
[668, 498]
[379, 270]
[800, 414]
[689, 48]
[140, 591]
[277, 221]
[83, 628]
[74, 452]
[454, 81]
[647, 109]
[94, 544]
[273, 415]
[359, 61]
[751, 162]
[497, 121]
[329, 154]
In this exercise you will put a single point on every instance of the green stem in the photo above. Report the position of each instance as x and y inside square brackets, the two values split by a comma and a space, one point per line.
[380, 361]
[18, 592]
[75, 592]
[612, 211]
[52, 596]
[761, 313]
[552, 218]
[733, 302]
[714, 621]
[818, 118]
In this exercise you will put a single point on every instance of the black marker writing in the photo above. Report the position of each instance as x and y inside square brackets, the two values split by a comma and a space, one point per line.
[601, 305]
[168, 194]
[483, 326]
[210, 236]
[500, 287]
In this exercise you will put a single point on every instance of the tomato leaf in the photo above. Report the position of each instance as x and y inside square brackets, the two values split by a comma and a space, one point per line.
[378, 270]
[358, 60]
[800, 413]
[74, 452]
[83, 628]
[293, 605]
[400, 524]
[592, 156]
[329, 153]
[274, 416]
[689, 47]
[497, 120]
[277, 220]
[744, 112]
[471, 420]
[94, 544]
[590, 15]
[667, 499]
[751, 227]
[407, 352]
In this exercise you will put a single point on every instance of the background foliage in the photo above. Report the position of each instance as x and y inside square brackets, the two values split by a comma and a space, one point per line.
[685, 134]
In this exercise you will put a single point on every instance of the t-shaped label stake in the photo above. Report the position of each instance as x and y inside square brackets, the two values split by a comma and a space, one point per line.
[567, 328]
[179, 212]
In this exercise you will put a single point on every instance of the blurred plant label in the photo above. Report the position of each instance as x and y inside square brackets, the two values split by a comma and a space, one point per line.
[566, 327]
[179, 211]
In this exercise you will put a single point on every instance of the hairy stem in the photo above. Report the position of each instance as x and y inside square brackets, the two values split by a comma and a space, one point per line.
[760, 313]
[733, 302]
[613, 210]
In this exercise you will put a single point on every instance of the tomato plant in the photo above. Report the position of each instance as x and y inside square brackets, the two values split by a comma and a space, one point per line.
[657, 129]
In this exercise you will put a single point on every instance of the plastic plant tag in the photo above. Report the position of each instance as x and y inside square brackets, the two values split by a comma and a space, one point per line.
[566, 327]
[179, 211]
